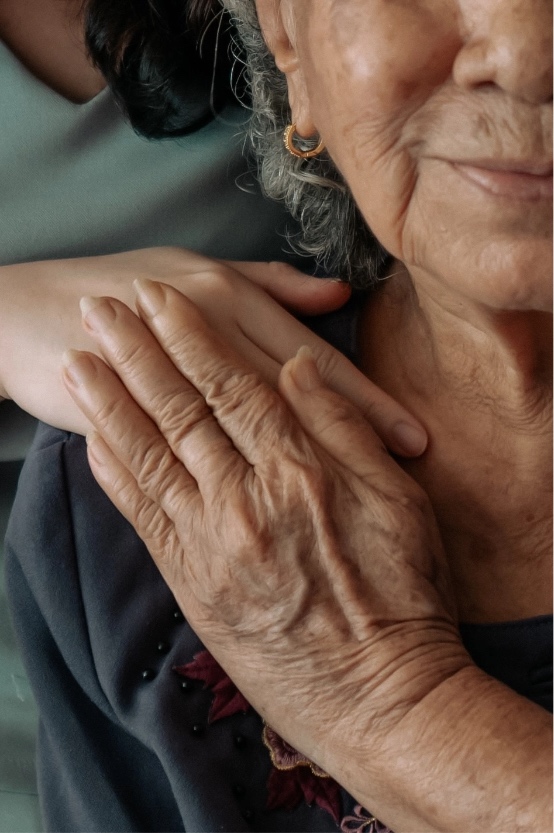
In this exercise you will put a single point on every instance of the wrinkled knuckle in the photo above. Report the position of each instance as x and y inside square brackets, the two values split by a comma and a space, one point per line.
[330, 363]
[241, 383]
[177, 412]
[123, 493]
[156, 470]
[149, 521]
[230, 392]
[179, 340]
[188, 423]
[129, 356]
[110, 414]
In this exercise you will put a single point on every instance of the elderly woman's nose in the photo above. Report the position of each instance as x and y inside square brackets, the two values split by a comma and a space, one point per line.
[507, 43]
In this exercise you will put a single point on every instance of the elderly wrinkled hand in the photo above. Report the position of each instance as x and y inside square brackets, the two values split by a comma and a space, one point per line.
[305, 558]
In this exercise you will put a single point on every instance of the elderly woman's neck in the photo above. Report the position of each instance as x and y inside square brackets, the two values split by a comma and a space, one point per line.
[485, 358]
[481, 382]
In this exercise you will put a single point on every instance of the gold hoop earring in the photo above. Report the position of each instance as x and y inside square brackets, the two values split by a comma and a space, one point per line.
[288, 139]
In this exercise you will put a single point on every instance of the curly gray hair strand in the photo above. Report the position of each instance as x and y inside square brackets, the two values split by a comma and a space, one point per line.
[332, 227]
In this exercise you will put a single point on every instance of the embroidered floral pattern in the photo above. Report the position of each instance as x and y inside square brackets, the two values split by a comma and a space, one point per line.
[293, 777]
[228, 700]
[296, 778]
[284, 756]
[287, 788]
[362, 822]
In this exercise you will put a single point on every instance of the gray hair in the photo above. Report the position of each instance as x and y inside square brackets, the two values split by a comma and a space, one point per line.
[332, 227]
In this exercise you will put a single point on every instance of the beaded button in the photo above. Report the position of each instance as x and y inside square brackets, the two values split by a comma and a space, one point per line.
[198, 729]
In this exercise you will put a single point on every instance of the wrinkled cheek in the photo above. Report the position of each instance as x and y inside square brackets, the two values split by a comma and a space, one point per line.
[377, 54]
[354, 102]
[364, 88]
[383, 177]
[364, 135]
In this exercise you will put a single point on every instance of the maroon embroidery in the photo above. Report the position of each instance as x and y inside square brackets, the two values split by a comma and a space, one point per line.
[228, 700]
[362, 822]
[283, 790]
[286, 789]
[293, 777]
[285, 756]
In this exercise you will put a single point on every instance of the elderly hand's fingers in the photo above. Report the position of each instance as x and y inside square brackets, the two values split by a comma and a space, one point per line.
[147, 517]
[174, 405]
[396, 427]
[295, 290]
[130, 434]
[334, 422]
[250, 413]
[267, 336]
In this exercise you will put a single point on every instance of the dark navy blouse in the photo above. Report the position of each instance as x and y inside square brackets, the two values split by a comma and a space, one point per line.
[125, 741]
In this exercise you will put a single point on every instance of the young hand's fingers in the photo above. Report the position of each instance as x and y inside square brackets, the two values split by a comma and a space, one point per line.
[155, 384]
[294, 289]
[280, 336]
[131, 435]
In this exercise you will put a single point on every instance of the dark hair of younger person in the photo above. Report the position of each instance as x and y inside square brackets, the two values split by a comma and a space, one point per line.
[167, 62]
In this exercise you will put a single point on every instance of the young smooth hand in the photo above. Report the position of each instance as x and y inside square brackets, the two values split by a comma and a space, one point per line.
[243, 302]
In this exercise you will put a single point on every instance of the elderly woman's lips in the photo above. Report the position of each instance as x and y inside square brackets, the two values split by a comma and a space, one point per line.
[513, 182]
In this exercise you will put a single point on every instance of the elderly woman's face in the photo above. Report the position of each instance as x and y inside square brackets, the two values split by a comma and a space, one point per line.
[438, 114]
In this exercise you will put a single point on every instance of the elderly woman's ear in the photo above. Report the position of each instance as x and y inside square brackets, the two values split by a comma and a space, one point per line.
[278, 21]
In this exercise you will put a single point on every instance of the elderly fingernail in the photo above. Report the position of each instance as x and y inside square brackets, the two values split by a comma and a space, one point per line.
[97, 312]
[96, 448]
[304, 370]
[411, 439]
[150, 296]
[78, 367]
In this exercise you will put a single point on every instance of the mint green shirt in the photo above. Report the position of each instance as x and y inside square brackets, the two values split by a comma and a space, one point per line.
[76, 180]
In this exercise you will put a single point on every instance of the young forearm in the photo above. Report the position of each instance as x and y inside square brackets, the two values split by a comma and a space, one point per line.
[473, 756]
[40, 316]
[39, 320]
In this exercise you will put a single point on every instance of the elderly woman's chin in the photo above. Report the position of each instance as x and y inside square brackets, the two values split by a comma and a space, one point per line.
[506, 274]
[497, 259]
[505, 251]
